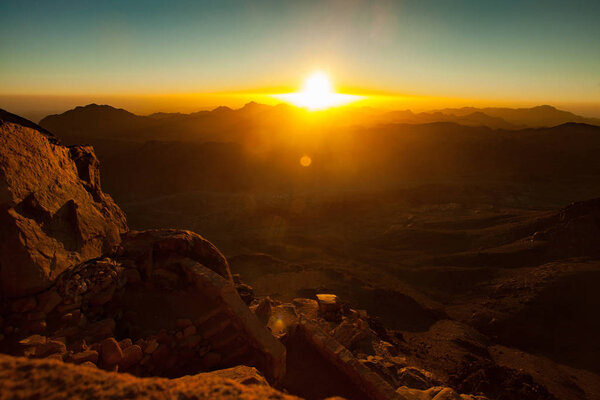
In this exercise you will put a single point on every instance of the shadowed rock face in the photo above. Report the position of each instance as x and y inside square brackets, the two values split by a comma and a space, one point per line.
[53, 213]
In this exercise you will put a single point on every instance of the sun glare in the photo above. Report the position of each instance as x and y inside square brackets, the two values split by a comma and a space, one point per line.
[317, 93]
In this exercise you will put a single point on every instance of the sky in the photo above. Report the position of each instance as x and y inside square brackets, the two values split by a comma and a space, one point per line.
[166, 55]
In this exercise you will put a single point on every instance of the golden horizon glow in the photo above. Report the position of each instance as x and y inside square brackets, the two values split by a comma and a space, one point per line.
[317, 93]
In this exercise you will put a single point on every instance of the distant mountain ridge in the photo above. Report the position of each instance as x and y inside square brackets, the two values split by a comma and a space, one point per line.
[543, 115]
[95, 121]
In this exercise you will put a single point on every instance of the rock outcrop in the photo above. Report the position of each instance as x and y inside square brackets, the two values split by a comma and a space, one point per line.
[53, 213]
[151, 310]
[49, 379]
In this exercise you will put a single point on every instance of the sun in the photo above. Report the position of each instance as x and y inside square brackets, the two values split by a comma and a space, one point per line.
[317, 93]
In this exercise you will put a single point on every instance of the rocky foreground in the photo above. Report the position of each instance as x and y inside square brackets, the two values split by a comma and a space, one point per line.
[93, 310]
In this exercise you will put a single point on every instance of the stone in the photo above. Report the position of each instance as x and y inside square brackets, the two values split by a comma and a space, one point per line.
[164, 337]
[81, 357]
[263, 310]
[38, 326]
[131, 356]
[34, 340]
[48, 300]
[53, 211]
[165, 279]
[350, 332]
[50, 347]
[150, 346]
[433, 393]
[414, 378]
[101, 328]
[78, 345]
[191, 341]
[71, 317]
[111, 351]
[23, 305]
[328, 304]
[242, 374]
[308, 308]
[140, 245]
[69, 331]
[104, 296]
[50, 379]
[125, 343]
[36, 316]
[189, 331]
[161, 354]
[246, 292]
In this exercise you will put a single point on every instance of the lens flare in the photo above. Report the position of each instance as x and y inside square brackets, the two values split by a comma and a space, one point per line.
[305, 160]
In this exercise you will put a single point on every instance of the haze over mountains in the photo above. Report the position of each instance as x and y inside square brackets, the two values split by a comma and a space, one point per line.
[102, 121]
[258, 147]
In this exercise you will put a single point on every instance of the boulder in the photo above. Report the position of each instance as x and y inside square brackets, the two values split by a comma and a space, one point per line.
[131, 356]
[156, 246]
[329, 306]
[53, 213]
[110, 351]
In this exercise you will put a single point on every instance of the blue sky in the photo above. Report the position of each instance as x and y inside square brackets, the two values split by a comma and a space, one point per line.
[544, 51]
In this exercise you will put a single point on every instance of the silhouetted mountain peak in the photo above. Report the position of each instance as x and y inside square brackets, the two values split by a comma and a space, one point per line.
[222, 109]
[101, 108]
[545, 107]
[254, 106]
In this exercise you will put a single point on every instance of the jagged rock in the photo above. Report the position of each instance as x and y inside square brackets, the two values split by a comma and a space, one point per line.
[63, 235]
[53, 213]
[350, 332]
[29, 379]
[263, 310]
[246, 292]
